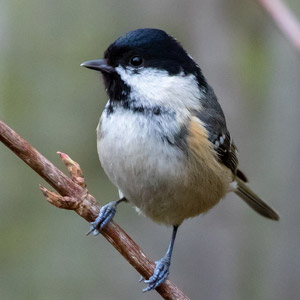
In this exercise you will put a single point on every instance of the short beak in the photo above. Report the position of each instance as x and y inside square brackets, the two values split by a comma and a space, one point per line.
[98, 65]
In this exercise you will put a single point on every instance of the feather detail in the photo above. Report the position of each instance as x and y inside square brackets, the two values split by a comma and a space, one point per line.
[241, 175]
[254, 201]
[206, 159]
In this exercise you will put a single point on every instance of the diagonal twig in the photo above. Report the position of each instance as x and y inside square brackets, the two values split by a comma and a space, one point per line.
[73, 195]
[284, 19]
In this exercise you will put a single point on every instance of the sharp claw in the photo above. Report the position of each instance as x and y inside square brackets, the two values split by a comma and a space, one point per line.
[160, 274]
[148, 288]
[106, 214]
[141, 279]
[92, 228]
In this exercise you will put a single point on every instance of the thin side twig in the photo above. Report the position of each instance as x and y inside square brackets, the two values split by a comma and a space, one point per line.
[73, 195]
[284, 19]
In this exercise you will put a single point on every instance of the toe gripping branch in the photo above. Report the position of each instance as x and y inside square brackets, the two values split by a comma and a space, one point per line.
[161, 271]
[107, 212]
[73, 195]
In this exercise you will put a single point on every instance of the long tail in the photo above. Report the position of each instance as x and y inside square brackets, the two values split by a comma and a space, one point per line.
[254, 201]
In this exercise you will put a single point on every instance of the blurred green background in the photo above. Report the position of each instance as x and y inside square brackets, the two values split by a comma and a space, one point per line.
[230, 253]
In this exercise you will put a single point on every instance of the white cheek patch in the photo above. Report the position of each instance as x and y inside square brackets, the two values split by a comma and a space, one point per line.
[156, 87]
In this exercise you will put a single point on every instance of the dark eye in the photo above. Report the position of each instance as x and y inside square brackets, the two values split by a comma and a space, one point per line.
[136, 61]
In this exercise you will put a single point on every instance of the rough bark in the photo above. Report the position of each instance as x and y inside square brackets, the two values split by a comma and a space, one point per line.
[73, 195]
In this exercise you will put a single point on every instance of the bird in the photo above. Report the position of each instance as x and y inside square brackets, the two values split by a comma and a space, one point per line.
[162, 138]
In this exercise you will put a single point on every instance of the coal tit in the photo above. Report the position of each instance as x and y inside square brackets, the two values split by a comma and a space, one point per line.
[162, 138]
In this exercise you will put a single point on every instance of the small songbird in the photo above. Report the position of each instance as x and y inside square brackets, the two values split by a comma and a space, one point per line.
[162, 137]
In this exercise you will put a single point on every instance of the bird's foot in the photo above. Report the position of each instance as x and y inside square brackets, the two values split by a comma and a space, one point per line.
[107, 212]
[160, 274]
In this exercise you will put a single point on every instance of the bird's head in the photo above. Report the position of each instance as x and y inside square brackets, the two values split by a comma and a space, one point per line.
[147, 63]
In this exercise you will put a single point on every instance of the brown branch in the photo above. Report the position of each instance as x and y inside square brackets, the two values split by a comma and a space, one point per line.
[73, 195]
[284, 19]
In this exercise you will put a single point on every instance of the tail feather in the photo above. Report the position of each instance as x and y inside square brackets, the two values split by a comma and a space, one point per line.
[241, 175]
[254, 201]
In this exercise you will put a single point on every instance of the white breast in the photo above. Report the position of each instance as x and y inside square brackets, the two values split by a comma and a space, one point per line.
[136, 157]
[136, 151]
[149, 171]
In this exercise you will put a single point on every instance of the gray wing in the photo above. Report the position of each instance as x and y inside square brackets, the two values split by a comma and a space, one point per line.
[214, 120]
